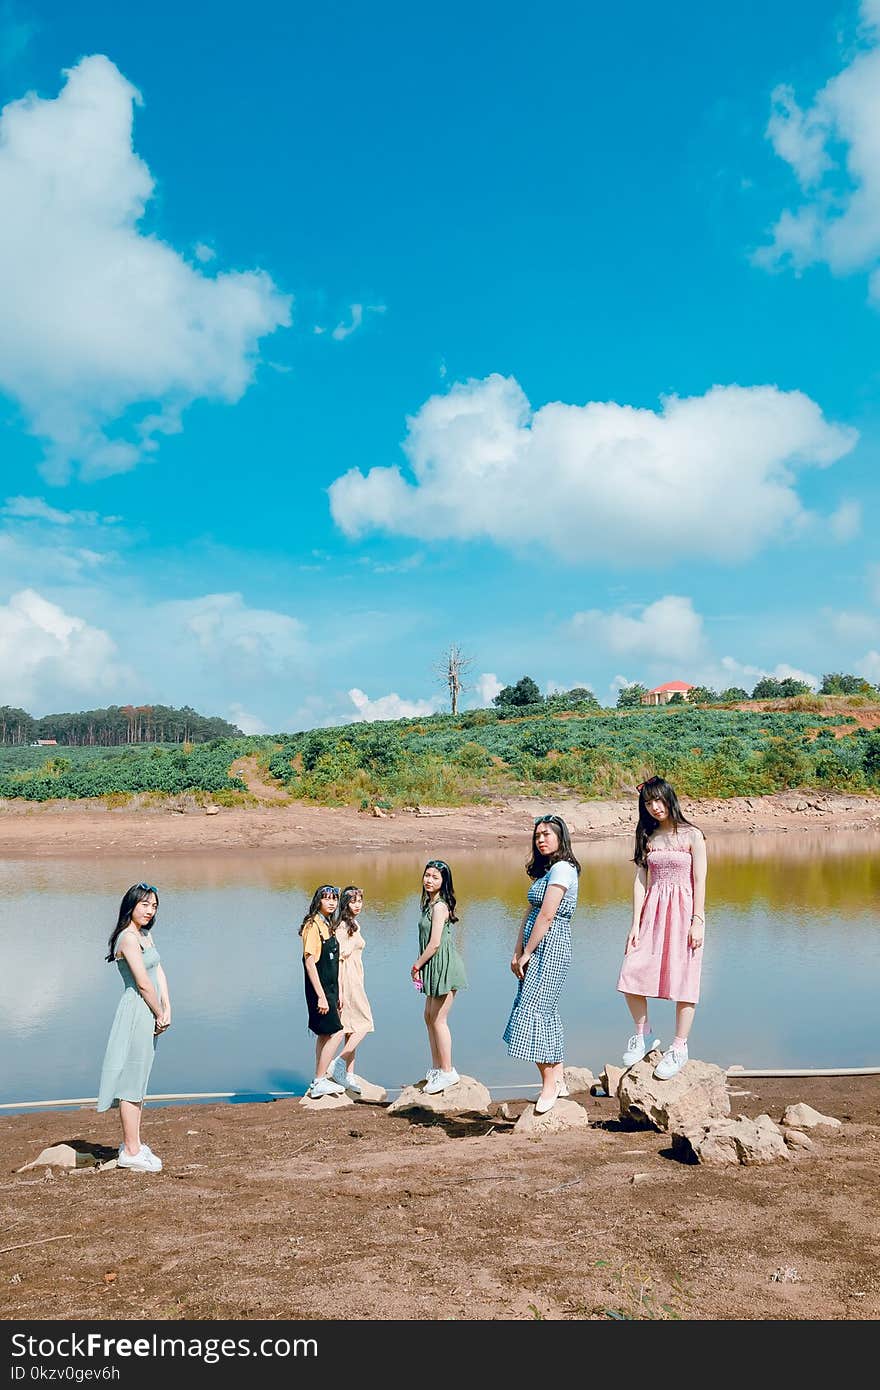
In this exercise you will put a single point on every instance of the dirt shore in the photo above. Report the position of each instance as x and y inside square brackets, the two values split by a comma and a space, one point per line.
[71, 828]
[272, 1211]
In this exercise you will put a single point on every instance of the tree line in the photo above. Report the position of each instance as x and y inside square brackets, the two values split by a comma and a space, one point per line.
[115, 726]
[525, 691]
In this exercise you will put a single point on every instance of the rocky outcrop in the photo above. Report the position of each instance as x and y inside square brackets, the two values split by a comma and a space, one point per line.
[725, 1141]
[564, 1115]
[326, 1102]
[370, 1093]
[803, 1116]
[697, 1094]
[467, 1096]
[578, 1079]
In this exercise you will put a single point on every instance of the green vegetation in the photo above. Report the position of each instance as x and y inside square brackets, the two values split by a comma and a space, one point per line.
[115, 726]
[550, 746]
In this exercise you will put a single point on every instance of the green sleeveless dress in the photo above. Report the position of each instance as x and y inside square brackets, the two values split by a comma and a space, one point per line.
[131, 1047]
[445, 970]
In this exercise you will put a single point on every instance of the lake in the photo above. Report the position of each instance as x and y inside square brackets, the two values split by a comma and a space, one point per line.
[790, 977]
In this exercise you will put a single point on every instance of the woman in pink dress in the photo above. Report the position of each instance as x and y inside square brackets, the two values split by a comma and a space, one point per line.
[664, 949]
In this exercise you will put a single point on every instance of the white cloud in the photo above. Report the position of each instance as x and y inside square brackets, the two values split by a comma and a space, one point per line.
[225, 630]
[852, 627]
[869, 667]
[204, 253]
[846, 522]
[101, 320]
[839, 221]
[730, 671]
[248, 723]
[391, 706]
[49, 657]
[36, 509]
[345, 330]
[669, 630]
[714, 475]
[487, 687]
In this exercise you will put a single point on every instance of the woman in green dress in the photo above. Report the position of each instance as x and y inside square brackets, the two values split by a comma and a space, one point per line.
[144, 1011]
[439, 971]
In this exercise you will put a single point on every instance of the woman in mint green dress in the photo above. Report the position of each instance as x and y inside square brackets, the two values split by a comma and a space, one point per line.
[439, 971]
[144, 1011]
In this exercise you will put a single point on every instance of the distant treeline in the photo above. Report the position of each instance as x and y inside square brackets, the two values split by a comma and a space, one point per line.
[113, 727]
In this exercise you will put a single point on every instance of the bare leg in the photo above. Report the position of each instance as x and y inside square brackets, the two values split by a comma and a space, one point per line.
[684, 1017]
[325, 1046]
[551, 1078]
[130, 1115]
[352, 1043]
[441, 1046]
[638, 1007]
[430, 1012]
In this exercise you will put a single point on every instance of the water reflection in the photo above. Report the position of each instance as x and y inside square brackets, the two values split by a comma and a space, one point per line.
[792, 940]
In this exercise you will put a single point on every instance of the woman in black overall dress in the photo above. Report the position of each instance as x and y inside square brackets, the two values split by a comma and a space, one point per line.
[321, 971]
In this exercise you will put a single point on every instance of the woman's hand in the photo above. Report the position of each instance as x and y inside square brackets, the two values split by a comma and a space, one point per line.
[632, 940]
[323, 1006]
[695, 935]
[514, 965]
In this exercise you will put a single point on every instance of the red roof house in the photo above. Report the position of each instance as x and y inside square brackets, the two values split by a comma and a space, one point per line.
[662, 694]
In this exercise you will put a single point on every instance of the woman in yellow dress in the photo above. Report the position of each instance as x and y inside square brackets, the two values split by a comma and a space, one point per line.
[356, 1014]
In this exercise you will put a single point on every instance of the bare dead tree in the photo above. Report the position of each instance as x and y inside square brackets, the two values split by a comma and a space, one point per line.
[451, 671]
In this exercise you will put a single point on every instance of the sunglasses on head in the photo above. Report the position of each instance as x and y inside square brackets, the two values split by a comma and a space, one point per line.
[436, 864]
[328, 891]
[148, 887]
[547, 820]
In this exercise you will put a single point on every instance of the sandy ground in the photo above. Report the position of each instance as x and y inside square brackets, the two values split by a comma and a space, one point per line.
[69, 828]
[272, 1211]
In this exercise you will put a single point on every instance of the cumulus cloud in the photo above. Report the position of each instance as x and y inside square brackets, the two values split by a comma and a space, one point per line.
[101, 320]
[711, 475]
[36, 509]
[846, 522]
[48, 656]
[248, 723]
[224, 630]
[345, 330]
[391, 706]
[730, 671]
[834, 149]
[669, 629]
[487, 687]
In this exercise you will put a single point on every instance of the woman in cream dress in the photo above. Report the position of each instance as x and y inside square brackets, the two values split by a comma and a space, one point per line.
[357, 1016]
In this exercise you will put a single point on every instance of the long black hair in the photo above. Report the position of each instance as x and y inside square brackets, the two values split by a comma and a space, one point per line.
[315, 905]
[540, 863]
[134, 895]
[447, 892]
[655, 789]
[344, 916]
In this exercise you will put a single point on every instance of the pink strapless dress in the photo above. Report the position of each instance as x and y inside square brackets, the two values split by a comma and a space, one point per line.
[663, 966]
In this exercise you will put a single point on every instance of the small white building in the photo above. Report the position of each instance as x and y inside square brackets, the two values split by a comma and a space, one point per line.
[662, 694]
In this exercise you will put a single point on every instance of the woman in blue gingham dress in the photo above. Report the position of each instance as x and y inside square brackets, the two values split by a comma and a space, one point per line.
[542, 955]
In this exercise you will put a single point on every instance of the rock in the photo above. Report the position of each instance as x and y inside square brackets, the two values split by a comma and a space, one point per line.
[212, 810]
[371, 1094]
[578, 1078]
[564, 1115]
[640, 1177]
[796, 1139]
[803, 1116]
[722, 1141]
[62, 1156]
[611, 1078]
[326, 1102]
[377, 811]
[697, 1094]
[467, 1096]
[504, 1111]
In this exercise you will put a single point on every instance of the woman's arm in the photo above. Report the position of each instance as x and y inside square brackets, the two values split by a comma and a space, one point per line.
[439, 917]
[553, 895]
[312, 972]
[129, 947]
[640, 888]
[514, 964]
[165, 1020]
[698, 922]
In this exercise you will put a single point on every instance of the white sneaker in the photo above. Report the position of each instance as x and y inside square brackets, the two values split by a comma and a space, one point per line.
[352, 1083]
[542, 1105]
[336, 1071]
[636, 1048]
[563, 1091]
[429, 1075]
[144, 1161]
[323, 1086]
[671, 1063]
[440, 1081]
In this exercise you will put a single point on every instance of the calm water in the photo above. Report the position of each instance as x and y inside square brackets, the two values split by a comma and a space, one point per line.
[790, 977]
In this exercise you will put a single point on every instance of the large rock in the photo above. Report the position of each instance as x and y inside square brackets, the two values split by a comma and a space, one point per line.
[564, 1115]
[611, 1078]
[803, 1116]
[578, 1078]
[724, 1141]
[467, 1096]
[326, 1102]
[76, 1155]
[370, 1093]
[797, 1140]
[697, 1094]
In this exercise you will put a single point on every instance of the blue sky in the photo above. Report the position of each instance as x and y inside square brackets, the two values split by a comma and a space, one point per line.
[335, 334]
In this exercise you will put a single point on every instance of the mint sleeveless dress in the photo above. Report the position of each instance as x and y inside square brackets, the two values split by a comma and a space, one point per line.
[131, 1046]
[445, 970]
